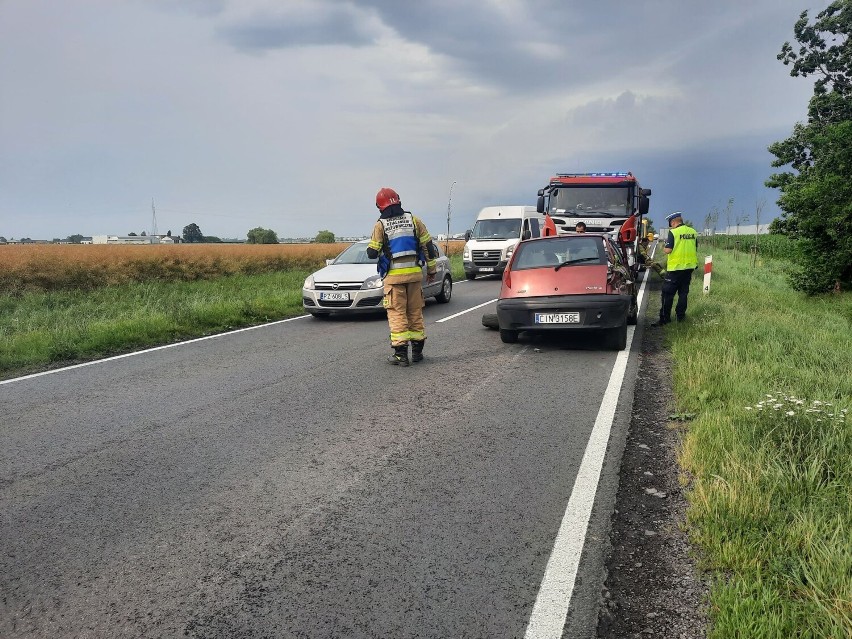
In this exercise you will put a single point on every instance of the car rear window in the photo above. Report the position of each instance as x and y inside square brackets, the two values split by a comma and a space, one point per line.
[565, 251]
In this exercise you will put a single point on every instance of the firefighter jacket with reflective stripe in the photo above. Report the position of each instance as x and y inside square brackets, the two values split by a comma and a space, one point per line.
[400, 241]
[684, 255]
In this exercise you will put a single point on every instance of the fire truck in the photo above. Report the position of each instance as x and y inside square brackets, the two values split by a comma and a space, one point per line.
[604, 202]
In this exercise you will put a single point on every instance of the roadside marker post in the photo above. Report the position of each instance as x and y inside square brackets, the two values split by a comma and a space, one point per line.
[708, 271]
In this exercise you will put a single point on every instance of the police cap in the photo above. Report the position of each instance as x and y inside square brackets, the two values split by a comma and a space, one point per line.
[674, 215]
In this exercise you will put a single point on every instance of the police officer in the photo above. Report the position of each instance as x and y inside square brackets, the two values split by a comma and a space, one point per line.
[402, 244]
[682, 250]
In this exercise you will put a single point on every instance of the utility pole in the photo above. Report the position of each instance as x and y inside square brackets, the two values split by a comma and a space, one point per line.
[154, 230]
[449, 202]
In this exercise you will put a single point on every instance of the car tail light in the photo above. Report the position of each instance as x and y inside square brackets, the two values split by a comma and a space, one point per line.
[507, 278]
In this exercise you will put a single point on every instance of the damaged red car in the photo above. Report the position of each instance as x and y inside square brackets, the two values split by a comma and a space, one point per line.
[579, 282]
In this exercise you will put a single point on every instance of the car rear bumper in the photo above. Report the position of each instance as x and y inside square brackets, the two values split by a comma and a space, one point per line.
[596, 312]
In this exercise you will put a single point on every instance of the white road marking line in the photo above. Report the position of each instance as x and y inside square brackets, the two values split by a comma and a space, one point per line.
[149, 350]
[466, 311]
[547, 620]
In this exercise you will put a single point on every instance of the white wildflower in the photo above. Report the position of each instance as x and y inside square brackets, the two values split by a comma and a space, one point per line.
[790, 413]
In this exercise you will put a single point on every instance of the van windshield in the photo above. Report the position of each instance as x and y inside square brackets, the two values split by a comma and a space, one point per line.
[497, 229]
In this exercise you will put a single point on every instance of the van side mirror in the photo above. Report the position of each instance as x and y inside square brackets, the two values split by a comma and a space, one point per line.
[466, 235]
[539, 205]
[329, 261]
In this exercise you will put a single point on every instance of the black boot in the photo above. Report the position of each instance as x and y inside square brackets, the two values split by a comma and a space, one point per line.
[400, 355]
[417, 350]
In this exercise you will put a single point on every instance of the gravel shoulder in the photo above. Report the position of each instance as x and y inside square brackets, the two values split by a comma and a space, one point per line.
[652, 587]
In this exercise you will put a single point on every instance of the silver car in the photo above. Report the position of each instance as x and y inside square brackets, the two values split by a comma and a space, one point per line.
[350, 284]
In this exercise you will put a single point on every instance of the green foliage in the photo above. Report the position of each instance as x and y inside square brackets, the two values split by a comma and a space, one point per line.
[765, 371]
[191, 233]
[817, 198]
[74, 239]
[212, 239]
[37, 329]
[260, 235]
[324, 237]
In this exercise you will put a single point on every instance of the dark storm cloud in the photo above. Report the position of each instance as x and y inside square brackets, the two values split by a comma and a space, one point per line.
[333, 25]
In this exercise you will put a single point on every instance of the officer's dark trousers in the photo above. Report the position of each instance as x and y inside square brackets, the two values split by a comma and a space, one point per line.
[675, 283]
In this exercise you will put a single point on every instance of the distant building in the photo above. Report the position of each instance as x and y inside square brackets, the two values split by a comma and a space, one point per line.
[125, 239]
[747, 229]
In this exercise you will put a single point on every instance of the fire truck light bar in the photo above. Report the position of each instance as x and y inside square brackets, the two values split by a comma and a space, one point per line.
[594, 174]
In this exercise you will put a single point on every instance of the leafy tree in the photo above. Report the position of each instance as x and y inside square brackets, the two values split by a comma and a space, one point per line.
[816, 200]
[3, 239]
[169, 233]
[324, 237]
[74, 239]
[191, 233]
[131, 234]
[260, 235]
[143, 234]
[212, 239]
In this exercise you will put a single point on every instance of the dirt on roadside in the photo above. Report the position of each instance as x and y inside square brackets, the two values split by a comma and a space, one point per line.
[652, 587]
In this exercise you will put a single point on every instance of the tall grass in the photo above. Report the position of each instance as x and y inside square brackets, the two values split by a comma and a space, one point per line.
[770, 246]
[36, 267]
[86, 267]
[767, 372]
[41, 329]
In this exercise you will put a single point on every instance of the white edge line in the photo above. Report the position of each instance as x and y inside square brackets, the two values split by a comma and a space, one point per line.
[473, 308]
[550, 611]
[149, 350]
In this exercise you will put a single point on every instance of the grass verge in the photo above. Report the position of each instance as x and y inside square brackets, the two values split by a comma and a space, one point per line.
[39, 330]
[766, 372]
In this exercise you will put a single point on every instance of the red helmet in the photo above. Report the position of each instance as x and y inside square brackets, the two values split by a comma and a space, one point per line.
[385, 197]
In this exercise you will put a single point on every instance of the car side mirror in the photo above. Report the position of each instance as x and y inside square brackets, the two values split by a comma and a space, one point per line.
[329, 261]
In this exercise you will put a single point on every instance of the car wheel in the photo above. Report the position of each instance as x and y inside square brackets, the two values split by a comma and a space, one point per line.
[490, 320]
[320, 316]
[470, 276]
[446, 290]
[617, 338]
[508, 337]
[633, 313]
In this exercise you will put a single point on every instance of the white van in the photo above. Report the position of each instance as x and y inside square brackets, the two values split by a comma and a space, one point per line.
[497, 231]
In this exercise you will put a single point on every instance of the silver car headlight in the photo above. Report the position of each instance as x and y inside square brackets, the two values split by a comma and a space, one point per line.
[509, 252]
[466, 254]
[309, 282]
[374, 281]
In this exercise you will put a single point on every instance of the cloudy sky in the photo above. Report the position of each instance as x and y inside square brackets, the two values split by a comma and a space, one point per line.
[291, 114]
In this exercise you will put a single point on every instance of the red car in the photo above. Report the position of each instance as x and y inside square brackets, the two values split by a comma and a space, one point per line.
[577, 282]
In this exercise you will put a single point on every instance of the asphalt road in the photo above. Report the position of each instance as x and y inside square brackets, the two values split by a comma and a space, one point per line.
[287, 482]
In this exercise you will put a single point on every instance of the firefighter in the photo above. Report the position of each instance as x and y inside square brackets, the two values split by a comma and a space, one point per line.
[403, 245]
[682, 250]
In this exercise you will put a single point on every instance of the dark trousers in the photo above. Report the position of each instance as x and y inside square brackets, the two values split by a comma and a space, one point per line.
[675, 282]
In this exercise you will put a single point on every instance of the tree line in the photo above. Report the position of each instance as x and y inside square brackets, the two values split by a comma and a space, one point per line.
[816, 195]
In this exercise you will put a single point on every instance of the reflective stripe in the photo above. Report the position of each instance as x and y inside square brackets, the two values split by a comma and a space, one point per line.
[408, 335]
[400, 232]
[404, 271]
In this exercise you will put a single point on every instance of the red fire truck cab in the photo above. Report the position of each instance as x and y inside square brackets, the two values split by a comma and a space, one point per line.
[602, 201]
